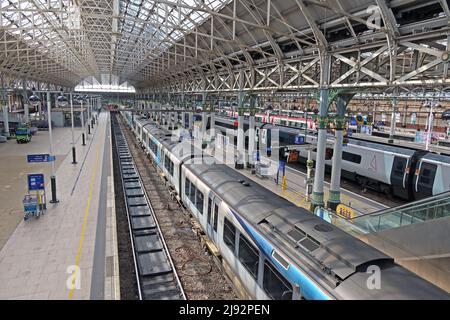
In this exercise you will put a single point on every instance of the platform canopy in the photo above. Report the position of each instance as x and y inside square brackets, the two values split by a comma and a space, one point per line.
[228, 45]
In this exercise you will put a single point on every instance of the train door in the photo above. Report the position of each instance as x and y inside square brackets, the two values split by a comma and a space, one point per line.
[158, 155]
[424, 180]
[399, 177]
[212, 217]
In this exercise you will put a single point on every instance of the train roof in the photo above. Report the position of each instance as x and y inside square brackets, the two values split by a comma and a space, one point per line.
[343, 255]
[338, 250]
[383, 147]
[438, 158]
[396, 283]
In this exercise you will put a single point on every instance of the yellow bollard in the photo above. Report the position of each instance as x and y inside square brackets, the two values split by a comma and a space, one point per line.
[283, 183]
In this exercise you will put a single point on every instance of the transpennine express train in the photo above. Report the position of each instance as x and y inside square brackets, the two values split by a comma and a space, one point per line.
[274, 249]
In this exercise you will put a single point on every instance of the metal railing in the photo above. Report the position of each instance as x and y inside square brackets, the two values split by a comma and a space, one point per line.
[420, 211]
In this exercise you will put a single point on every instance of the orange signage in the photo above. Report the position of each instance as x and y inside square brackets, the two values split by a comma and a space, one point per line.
[345, 212]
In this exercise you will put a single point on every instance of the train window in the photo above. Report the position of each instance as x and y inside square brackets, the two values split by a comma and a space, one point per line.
[192, 193]
[426, 173]
[229, 234]
[153, 146]
[351, 157]
[187, 185]
[275, 285]
[399, 166]
[248, 256]
[199, 201]
[216, 216]
[168, 164]
[193, 189]
[209, 210]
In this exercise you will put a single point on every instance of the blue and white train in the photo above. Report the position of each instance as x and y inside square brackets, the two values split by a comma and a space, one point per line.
[270, 248]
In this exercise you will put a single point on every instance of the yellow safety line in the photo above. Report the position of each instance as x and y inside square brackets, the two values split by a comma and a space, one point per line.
[83, 229]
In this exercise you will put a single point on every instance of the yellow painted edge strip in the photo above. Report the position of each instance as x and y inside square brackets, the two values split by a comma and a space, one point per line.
[83, 229]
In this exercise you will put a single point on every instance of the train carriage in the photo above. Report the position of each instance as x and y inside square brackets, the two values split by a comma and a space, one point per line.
[280, 251]
[389, 169]
[274, 249]
[432, 176]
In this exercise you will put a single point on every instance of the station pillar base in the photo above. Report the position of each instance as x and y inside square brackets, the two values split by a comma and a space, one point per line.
[334, 200]
[333, 205]
[317, 201]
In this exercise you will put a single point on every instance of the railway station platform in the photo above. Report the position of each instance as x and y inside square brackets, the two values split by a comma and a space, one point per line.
[75, 241]
[295, 190]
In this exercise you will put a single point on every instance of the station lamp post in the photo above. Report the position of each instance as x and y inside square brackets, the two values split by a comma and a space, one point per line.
[63, 102]
[431, 105]
[83, 136]
[74, 153]
[53, 176]
[88, 99]
[34, 100]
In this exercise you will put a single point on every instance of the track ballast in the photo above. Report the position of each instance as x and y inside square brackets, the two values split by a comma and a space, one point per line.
[156, 276]
[201, 274]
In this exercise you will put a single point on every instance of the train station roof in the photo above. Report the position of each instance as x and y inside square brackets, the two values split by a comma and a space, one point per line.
[220, 45]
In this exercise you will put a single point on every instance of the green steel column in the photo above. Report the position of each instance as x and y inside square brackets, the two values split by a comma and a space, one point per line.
[240, 132]
[318, 193]
[335, 186]
[393, 118]
[204, 114]
[251, 130]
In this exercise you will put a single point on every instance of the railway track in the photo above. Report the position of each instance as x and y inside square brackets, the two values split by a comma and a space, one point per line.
[156, 276]
[200, 275]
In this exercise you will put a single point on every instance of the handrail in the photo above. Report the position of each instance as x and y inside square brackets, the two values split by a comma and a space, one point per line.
[415, 204]
[420, 211]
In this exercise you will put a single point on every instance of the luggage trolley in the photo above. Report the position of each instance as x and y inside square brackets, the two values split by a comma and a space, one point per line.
[34, 203]
[32, 206]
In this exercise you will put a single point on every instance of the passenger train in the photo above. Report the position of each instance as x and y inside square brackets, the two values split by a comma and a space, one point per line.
[273, 249]
[404, 172]
[280, 119]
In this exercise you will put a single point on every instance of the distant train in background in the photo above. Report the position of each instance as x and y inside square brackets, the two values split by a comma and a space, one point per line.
[403, 172]
[406, 173]
[294, 120]
[112, 107]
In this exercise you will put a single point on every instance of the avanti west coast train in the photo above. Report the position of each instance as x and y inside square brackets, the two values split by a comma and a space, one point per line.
[406, 173]
[271, 248]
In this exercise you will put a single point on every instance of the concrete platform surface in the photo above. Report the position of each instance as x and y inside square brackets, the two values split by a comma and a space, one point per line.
[14, 170]
[62, 255]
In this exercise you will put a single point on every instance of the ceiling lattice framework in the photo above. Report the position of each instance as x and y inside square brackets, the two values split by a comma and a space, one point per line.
[194, 46]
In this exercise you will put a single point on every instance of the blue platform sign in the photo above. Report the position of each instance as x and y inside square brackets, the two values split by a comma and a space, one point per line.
[299, 139]
[32, 158]
[36, 182]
